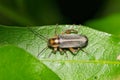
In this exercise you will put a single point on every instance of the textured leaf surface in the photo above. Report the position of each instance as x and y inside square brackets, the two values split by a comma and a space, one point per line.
[101, 62]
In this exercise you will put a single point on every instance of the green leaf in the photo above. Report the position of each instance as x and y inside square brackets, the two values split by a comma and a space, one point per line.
[17, 64]
[101, 62]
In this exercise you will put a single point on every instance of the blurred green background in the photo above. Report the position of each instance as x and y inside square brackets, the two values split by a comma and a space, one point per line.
[103, 15]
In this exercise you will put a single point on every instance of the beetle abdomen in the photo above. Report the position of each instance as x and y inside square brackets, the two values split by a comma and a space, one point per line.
[72, 40]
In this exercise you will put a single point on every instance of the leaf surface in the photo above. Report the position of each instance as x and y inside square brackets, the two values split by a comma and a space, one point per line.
[101, 62]
[17, 64]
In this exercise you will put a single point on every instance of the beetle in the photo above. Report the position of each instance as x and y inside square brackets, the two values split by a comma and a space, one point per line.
[68, 40]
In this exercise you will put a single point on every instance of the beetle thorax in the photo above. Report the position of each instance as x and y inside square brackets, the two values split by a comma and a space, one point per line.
[53, 42]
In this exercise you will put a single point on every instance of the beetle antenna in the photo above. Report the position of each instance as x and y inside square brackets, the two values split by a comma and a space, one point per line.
[56, 29]
[50, 54]
[72, 26]
[79, 28]
[37, 34]
[42, 51]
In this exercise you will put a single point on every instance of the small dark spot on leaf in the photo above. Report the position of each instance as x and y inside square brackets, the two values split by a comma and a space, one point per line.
[96, 77]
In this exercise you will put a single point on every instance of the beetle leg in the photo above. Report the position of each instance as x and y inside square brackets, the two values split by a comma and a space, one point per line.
[66, 54]
[82, 51]
[73, 51]
[62, 52]
[53, 51]
[78, 49]
[69, 31]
